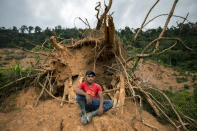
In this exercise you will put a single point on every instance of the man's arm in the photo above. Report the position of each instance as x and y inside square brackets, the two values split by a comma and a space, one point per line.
[100, 110]
[79, 91]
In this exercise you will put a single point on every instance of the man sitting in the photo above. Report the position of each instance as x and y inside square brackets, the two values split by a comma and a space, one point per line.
[87, 97]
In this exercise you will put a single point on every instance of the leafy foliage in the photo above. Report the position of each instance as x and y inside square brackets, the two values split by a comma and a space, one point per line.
[11, 73]
[184, 102]
[178, 57]
[24, 36]
[181, 79]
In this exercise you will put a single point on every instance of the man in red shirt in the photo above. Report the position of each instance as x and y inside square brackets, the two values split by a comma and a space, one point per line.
[90, 98]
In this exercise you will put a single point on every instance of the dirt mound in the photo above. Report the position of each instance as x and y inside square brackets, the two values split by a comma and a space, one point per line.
[26, 98]
[49, 116]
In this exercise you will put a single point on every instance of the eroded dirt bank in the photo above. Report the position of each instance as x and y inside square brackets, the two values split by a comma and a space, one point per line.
[49, 116]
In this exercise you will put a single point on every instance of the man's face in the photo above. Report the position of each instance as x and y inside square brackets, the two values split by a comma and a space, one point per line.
[90, 78]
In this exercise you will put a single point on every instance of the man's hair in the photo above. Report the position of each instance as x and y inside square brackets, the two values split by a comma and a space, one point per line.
[90, 72]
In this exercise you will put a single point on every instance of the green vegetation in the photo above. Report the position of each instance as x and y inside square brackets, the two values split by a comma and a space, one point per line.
[25, 37]
[178, 57]
[186, 86]
[184, 102]
[181, 79]
[195, 94]
[11, 73]
[194, 78]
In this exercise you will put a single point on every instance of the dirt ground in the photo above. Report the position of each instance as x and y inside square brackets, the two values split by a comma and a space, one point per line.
[49, 116]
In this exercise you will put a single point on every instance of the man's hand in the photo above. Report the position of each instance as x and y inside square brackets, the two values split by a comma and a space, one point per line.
[100, 111]
[88, 99]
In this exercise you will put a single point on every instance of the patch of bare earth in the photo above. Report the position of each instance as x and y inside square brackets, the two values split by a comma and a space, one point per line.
[162, 77]
[49, 116]
[13, 55]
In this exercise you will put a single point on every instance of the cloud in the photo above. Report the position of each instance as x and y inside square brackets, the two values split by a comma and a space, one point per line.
[50, 13]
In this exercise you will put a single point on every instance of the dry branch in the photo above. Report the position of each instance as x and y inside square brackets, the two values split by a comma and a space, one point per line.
[42, 91]
[139, 30]
[164, 15]
[100, 20]
[166, 24]
[39, 53]
[97, 8]
[159, 53]
[57, 45]
[85, 22]
[54, 96]
[178, 116]
[18, 80]
[181, 27]
[161, 38]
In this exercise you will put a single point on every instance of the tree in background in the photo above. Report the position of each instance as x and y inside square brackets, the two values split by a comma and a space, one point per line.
[37, 29]
[23, 28]
[30, 28]
[14, 29]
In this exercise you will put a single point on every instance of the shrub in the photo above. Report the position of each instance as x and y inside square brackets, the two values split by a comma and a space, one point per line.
[195, 94]
[194, 78]
[181, 79]
[9, 58]
[186, 86]
[174, 74]
[11, 73]
[184, 102]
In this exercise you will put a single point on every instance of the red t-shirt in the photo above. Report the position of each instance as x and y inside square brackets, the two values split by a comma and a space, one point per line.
[91, 90]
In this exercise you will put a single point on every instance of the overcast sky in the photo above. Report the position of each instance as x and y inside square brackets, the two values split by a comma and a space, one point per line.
[50, 13]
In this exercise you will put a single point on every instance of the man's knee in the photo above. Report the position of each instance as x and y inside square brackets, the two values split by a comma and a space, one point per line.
[108, 104]
[111, 104]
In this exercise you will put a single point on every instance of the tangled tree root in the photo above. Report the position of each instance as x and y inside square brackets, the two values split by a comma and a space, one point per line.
[103, 52]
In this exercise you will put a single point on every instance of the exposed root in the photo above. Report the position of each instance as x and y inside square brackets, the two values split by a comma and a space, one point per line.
[139, 30]
[166, 24]
[85, 22]
[42, 91]
[100, 20]
[103, 52]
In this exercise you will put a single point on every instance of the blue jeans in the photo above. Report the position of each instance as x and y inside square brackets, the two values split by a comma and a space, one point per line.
[107, 104]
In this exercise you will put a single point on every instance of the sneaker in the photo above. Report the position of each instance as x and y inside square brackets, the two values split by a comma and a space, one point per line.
[91, 115]
[84, 119]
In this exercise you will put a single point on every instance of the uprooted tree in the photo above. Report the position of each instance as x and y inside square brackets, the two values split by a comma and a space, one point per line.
[103, 52]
